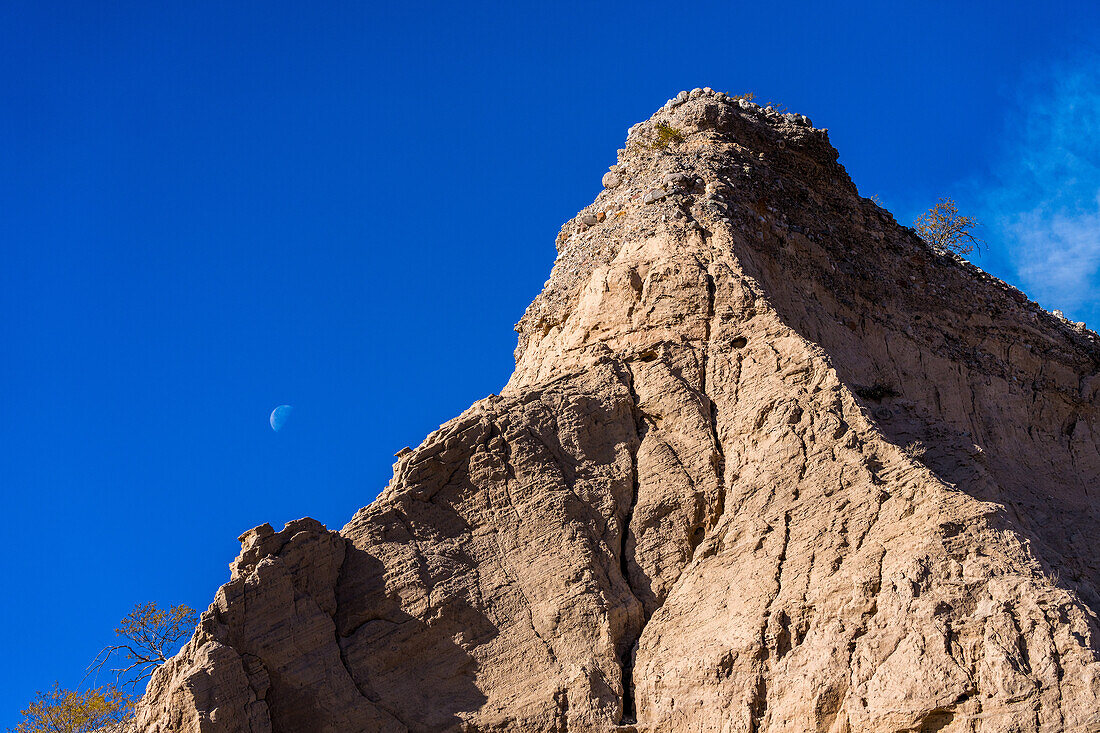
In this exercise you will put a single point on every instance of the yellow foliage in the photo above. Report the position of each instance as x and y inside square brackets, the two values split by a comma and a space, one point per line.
[148, 635]
[945, 230]
[68, 711]
[666, 134]
[149, 620]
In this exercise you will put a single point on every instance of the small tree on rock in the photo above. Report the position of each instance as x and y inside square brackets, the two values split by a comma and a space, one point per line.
[68, 711]
[149, 636]
[946, 231]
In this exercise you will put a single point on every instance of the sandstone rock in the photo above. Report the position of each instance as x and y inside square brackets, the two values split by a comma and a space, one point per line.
[783, 469]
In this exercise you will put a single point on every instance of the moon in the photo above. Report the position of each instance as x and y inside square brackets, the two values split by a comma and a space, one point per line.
[279, 416]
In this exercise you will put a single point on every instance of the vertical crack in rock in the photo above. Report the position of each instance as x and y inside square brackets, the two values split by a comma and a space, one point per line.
[629, 653]
[561, 702]
[1055, 708]
[712, 412]
[363, 690]
[711, 288]
[758, 708]
[626, 556]
[1020, 640]
[336, 626]
[253, 667]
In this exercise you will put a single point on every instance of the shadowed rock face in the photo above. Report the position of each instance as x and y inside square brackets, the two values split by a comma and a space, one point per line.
[766, 463]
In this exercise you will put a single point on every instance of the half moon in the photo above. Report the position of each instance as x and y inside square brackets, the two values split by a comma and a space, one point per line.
[279, 416]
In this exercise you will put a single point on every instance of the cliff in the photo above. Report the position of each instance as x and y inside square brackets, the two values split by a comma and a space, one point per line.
[767, 462]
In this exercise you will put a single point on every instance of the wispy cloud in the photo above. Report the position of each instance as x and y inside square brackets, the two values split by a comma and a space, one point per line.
[1044, 208]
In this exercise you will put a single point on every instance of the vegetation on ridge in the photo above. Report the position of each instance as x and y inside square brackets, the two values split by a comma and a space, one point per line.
[666, 135]
[148, 636]
[67, 711]
[946, 231]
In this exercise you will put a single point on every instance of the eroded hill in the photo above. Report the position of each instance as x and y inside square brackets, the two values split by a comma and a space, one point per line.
[766, 463]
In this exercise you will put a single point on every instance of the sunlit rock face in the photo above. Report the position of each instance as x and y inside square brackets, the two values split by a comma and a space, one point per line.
[766, 463]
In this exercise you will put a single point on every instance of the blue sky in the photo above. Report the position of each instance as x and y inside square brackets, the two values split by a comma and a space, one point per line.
[1042, 196]
[215, 208]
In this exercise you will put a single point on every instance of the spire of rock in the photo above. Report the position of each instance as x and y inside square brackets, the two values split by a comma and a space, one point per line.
[767, 462]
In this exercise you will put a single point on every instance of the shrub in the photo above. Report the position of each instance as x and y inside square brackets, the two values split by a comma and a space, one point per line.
[668, 134]
[148, 636]
[67, 711]
[946, 231]
[915, 450]
[665, 135]
[750, 96]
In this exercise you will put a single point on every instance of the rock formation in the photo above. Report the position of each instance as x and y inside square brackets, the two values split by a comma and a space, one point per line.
[767, 462]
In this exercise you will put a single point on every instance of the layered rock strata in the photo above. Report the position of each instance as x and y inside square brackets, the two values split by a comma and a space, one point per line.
[766, 463]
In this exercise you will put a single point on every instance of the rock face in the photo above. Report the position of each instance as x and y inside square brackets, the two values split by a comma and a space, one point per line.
[766, 463]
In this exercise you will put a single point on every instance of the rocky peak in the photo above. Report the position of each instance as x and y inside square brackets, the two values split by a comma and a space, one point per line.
[724, 150]
[766, 463]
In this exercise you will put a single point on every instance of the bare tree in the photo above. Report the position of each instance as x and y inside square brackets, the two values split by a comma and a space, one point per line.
[149, 635]
[946, 231]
